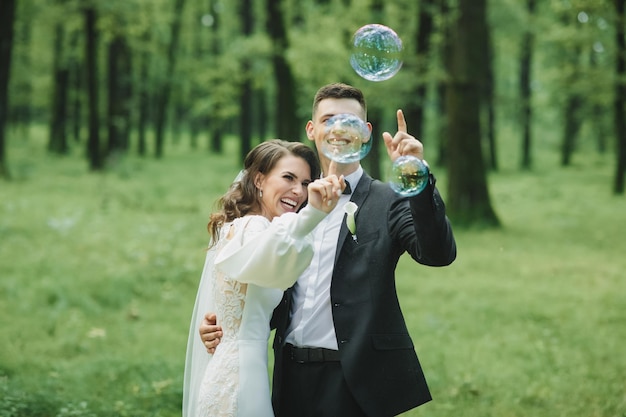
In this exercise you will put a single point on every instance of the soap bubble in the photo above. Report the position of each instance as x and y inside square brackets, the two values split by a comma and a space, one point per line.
[408, 176]
[376, 52]
[346, 138]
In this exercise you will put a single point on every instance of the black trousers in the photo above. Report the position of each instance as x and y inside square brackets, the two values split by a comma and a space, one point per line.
[315, 389]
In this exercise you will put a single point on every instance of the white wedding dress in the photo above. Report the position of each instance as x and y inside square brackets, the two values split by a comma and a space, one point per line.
[242, 282]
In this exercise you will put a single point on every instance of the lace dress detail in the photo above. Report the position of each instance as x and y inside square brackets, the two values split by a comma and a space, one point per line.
[219, 389]
[243, 280]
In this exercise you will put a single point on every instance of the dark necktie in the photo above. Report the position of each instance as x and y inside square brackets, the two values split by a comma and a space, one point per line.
[348, 189]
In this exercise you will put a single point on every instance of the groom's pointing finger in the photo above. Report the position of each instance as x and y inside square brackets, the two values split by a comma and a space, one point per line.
[401, 121]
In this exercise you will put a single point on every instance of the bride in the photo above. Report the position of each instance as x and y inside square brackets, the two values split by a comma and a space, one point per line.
[260, 243]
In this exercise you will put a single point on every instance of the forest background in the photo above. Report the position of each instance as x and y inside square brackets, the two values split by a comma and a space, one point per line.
[122, 121]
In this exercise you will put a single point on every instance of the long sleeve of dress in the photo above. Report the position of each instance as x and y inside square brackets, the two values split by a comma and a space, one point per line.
[270, 254]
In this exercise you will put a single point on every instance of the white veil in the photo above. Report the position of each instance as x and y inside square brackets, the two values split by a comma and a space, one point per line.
[197, 357]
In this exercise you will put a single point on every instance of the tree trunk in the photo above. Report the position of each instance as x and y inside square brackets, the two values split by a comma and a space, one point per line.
[598, 113]
[217, 133]
[144, 98]
[216, 130]
[372, 163]
[246, 116]
[163, 96]
[287, 123]
[442, 123]
[196, 94]
[7, 17]
[440, 89]
[525, 91]
[261, 105]
[245, 95]
[96, 160]
[57, 141]
[571, 128]
[77, 74]
[119, 96]
[375, 112]
[415, 108]
[620, 99]
[468, 200]
[490, 108]
[21, 109]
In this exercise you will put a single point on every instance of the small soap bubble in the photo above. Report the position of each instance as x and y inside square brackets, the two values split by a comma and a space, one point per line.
[346, 138]
[408, 176]
[376, 52]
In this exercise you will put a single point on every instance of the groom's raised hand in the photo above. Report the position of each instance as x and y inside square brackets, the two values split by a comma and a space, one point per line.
[402, 144]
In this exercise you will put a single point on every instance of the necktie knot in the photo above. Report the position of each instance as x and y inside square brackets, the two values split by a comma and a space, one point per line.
[348, 189]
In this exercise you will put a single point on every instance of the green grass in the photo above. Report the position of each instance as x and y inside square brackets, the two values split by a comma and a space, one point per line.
[98, 274]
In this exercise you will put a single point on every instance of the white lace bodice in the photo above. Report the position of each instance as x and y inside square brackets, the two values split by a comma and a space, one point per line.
[242, 282]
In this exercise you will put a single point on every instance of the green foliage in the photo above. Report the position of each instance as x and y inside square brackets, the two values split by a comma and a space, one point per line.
[98, 275]
[319, 41]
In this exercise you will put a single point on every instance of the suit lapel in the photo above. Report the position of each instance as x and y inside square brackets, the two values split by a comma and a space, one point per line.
[358, 196]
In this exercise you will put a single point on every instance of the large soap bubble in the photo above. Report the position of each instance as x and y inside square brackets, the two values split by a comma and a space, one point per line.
[408, 176]
[376, 52]
[346, 138]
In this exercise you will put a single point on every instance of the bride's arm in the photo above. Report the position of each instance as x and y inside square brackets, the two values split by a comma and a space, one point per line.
[275, 255]
[270, 254]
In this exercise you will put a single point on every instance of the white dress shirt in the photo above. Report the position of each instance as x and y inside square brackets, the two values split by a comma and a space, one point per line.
[311, 319]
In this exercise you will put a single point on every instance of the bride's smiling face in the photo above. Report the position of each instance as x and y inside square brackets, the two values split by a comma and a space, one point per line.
[284, 188]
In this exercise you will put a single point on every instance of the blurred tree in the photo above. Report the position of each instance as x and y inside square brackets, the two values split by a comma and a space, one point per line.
[77, 80]
[245, 96]
[163, 94]
[488, 96]
[57, 139]
[468, 200]
[120, 92]
[416, 107]
[144, 93]
[7, 18]
[21, 110]
[376, 109]
[94, 154]
[444, 54]
[620, 97]
[197, 120]
[524, 83]
[218, 77]
[145, 52]
[598, 109]
[287, 124]
[215, 121]
[572, 110]
[574, 85]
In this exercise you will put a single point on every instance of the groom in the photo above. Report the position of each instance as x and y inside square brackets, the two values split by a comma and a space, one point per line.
[342, 348]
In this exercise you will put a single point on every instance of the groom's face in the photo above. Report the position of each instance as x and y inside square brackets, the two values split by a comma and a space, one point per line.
[327, 108]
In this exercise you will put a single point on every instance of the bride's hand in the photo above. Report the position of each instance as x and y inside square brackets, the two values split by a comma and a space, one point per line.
[324, 193]
[210, 332]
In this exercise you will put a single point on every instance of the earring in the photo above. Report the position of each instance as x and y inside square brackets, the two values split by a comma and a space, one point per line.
[260, 193]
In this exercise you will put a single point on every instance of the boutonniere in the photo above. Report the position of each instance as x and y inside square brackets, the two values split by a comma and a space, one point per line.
[350, 208]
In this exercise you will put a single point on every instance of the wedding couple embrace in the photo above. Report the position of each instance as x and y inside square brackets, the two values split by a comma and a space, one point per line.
[282, 257]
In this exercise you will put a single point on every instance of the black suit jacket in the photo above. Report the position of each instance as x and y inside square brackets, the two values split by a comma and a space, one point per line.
[377, 354]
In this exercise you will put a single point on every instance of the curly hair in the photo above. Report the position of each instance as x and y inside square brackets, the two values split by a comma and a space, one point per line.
[242, 197]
